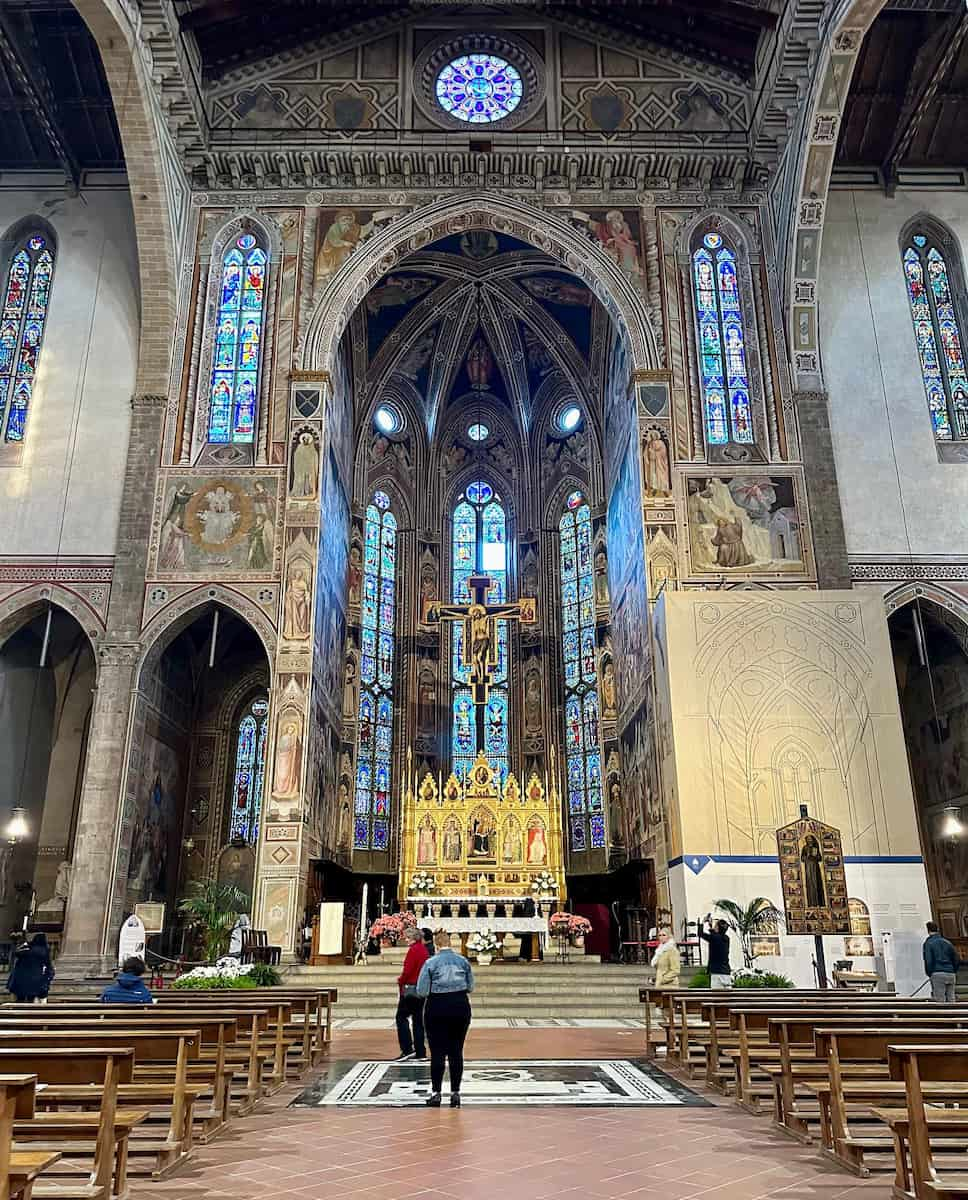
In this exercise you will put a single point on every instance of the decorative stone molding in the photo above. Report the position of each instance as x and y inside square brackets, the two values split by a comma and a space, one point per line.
[890, 570]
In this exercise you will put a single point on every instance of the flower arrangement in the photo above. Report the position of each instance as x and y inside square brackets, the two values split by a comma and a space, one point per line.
[482, 941]
[422, 883]
[228, 973]
[568, 925]
[544, 884]
[390, 928]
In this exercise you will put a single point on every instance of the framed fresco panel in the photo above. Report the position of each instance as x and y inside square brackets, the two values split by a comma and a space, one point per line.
[812, 875]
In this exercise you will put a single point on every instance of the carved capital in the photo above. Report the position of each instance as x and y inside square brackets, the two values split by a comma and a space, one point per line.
[119, 654]
[146, 402]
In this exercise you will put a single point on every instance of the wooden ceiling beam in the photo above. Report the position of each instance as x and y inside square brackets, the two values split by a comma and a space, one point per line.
[26, 67]
[931, 65]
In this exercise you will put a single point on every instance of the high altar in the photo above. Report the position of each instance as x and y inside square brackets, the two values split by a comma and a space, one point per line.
[479, 841]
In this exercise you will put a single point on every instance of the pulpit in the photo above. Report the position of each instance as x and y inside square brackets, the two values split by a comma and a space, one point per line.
[475, 853]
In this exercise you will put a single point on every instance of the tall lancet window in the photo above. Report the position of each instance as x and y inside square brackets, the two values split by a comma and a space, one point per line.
[26, 295]
[479, 547]
[237, 352]
[374, 756]
[939, 336]
[722, 343]
[583, 753]
[250, 766]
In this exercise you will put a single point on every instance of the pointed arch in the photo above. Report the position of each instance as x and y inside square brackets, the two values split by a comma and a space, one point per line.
[27, 256]
[935, 280]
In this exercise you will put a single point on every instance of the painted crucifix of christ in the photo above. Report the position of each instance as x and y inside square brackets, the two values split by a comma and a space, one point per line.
[479, 642]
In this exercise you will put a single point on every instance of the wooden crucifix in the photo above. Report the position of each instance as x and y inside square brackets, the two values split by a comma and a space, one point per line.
[479, 643]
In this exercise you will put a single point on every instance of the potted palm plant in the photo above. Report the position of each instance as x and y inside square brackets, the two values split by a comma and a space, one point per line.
[213, 909]
[759, 918]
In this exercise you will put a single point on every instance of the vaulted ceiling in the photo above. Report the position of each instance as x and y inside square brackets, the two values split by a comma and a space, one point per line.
[479, 319]
[55, 107]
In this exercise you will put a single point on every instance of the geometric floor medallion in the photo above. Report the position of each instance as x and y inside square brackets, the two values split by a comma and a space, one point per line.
[574, 1083]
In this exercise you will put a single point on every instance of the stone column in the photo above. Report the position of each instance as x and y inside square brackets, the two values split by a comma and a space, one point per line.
[88, 939]
[823, 493]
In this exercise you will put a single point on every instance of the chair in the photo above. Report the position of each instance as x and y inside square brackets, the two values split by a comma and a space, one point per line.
[256, 948]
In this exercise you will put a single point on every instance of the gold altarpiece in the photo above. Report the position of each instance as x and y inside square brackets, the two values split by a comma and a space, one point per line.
[477, 839]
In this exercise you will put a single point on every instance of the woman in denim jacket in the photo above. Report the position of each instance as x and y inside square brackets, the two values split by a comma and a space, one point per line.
[445, 982]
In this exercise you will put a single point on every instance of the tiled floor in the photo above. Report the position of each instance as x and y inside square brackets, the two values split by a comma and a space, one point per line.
[514, 1153]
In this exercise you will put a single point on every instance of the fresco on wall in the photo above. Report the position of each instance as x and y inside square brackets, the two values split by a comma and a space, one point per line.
[338, 233]
[218, 524]
[643, 808]
[746, 524]
[617, 234]
[156, 820]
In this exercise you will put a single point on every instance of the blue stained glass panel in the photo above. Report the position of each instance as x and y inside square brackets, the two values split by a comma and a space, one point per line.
[23, 317]
[378, 619]
[479, 88]
[381, 835]
[237, 351]
[597, 824]
[249, 772]
[361, 834]
[722, 343]
[577, 826]
[939, 339]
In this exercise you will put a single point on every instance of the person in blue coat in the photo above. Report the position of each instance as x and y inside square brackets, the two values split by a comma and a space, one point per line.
[128, 988]
[32, 972]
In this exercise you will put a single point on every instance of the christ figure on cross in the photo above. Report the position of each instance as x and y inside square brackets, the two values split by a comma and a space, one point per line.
[479, 643]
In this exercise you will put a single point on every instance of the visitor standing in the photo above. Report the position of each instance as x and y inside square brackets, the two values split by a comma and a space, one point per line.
[941, 963]
[445, 982]
[717, 936]
[32, 972]
[667, 961]
[409, 1004]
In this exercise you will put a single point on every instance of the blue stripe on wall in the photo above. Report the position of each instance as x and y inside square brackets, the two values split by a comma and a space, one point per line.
[771, 858]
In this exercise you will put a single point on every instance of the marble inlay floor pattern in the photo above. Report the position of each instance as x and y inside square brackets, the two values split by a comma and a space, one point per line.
[583, 1083]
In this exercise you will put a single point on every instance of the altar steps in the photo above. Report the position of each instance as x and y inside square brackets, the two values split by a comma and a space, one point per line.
[583, 989]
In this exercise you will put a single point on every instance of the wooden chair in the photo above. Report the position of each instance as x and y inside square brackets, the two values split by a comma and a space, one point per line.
[256, 948]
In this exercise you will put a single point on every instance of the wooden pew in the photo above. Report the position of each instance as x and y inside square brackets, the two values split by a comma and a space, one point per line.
[924, 1128]
[173, 1047]
[212, 1084]
[101, 1140]
[16, 1100]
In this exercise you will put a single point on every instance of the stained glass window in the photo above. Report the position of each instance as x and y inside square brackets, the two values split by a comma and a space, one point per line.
[479, 88]
[374, 756]
[722, 343]
[237, 352]
[479, 547]
[583, 753]
[939, 337]
[25, 299]
[250, 762]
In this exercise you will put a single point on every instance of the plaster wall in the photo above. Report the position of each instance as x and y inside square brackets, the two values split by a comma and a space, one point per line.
[898, 499]
[65, 496]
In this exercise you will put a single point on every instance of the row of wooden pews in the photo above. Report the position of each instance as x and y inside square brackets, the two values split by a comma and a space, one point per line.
[875, 1081]
[97, 1093]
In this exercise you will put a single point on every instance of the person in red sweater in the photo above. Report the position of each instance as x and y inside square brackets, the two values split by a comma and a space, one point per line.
[410, 1006]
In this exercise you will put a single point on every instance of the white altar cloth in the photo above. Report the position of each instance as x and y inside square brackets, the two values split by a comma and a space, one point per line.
[479, 924]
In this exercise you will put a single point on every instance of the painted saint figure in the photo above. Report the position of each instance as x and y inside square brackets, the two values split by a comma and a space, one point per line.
[305, 468]
[427, 844]
[728, 540]
[811, 856]
[288, 765]
[337, 244]
[656, 465]
[296, 615]
[537, 847]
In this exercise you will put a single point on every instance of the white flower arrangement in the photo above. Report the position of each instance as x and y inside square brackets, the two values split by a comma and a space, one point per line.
[544, 883]
[227, 967]
[482, 941]
[422, 883]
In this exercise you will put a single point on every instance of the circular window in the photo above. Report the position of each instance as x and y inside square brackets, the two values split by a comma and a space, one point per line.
[575, 500]
[478, 433]
[246, 241]
[36, 243]
[479, 493]
[387, 419]
[712, 241]
[492, 79]
[479, 88]
[569, 418]
[381, 500]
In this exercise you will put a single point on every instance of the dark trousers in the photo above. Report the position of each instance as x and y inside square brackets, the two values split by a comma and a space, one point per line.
[410, 1008]
[448, 1018]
